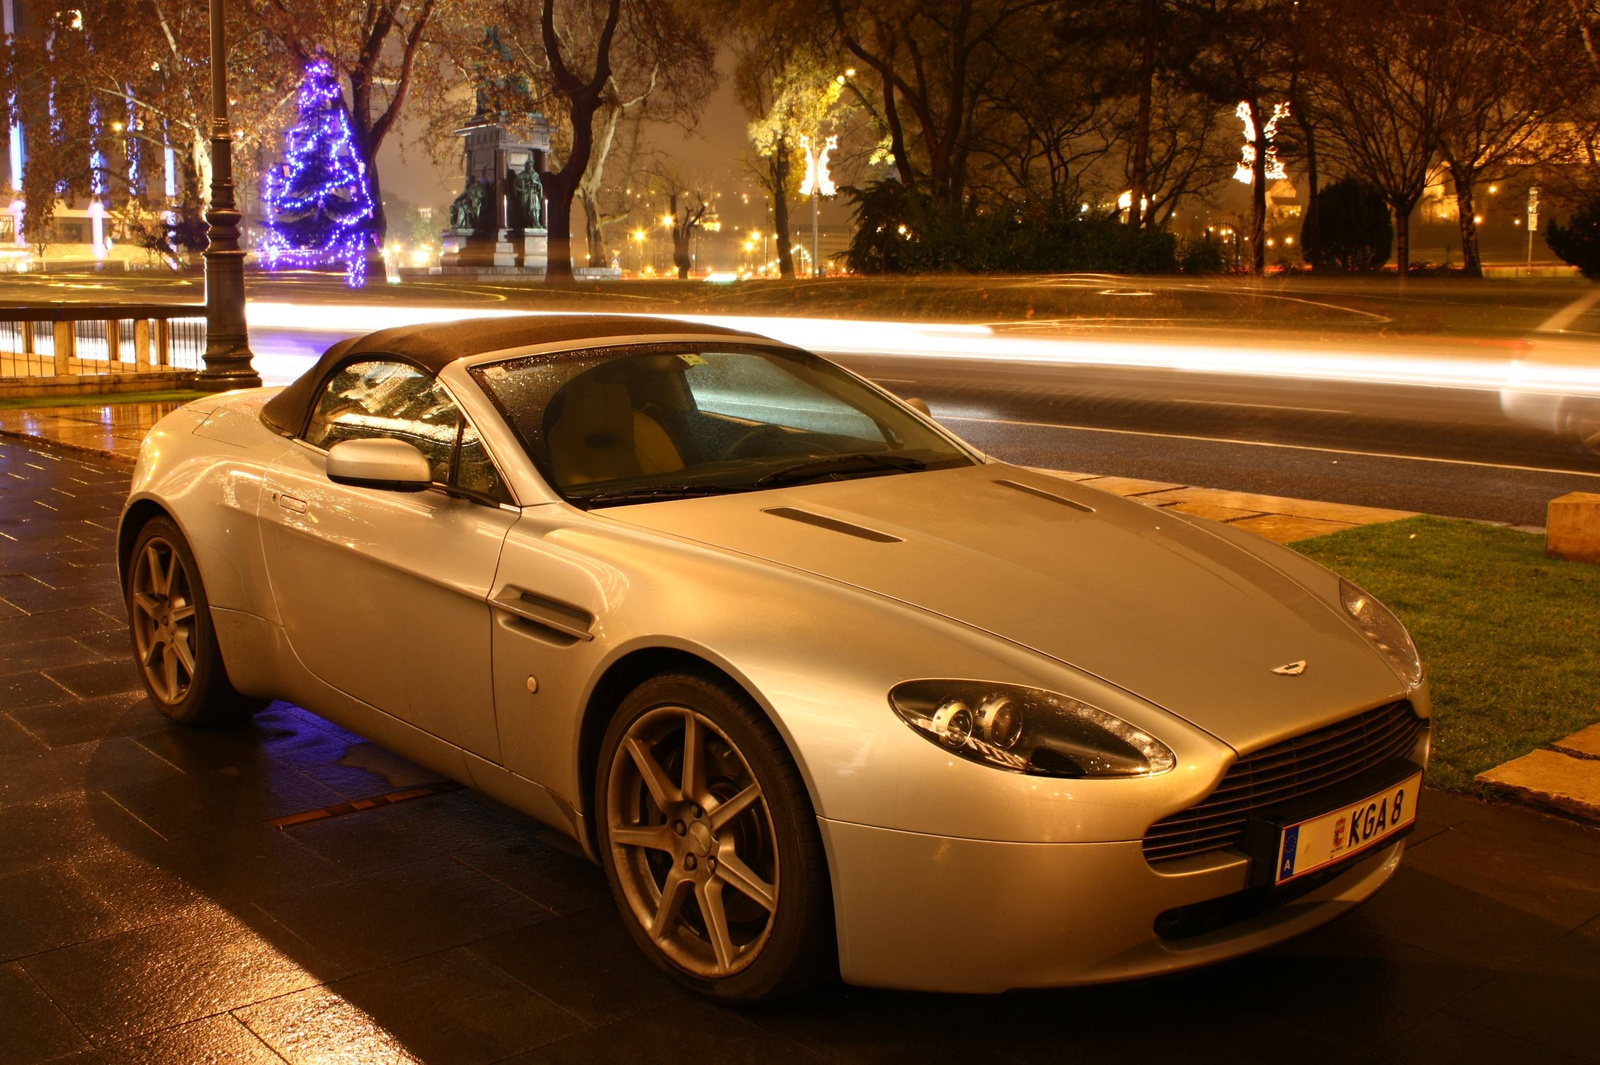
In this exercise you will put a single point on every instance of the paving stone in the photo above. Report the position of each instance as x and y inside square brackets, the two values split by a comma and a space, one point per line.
[76, 621]
[187, 804]
[1129, 486]
[1451, 1040]
[86, 720]
[99, 678]
[1285, 505]
[1212, 512]
[1548, 999]
[562, 882]
[18, 691]
[32, 1029]
[451, 1008]
[1553, 779]
[678, 1031]
[1585, 741]
[138, 982]
[401, 834]
[54, 652]
[587, 964]
[32, 776]
[218, 1040]
[379, 918]
[1287, 528]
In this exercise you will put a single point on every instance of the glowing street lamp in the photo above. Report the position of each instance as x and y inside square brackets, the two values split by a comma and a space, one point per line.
[817, 183]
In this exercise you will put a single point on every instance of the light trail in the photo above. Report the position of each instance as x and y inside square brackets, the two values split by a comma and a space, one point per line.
[1263, 443]
[1557, 367]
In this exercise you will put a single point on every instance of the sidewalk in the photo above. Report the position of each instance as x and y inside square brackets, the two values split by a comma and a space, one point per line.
[110, 430]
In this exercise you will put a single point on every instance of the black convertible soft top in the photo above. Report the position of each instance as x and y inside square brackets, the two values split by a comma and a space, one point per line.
[433, 347]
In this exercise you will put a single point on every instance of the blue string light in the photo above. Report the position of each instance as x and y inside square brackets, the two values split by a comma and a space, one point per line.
[318, 203]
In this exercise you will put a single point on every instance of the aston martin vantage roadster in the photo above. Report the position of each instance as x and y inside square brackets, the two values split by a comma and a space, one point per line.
[822, 688]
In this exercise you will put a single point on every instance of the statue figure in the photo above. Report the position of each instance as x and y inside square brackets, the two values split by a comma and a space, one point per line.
[527, 197]
[466, 211]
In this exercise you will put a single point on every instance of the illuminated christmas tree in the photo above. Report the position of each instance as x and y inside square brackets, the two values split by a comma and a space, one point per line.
[318, 204]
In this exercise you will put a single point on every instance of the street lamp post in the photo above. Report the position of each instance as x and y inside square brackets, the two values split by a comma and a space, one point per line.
[228, 358]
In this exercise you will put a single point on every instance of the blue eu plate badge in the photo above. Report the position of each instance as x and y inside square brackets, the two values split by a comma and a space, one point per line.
[1291, 839]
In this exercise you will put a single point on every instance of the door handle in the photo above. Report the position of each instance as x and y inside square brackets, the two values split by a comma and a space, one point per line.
[291, 503]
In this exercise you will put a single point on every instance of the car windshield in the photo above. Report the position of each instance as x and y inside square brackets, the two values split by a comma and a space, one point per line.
[673, 421]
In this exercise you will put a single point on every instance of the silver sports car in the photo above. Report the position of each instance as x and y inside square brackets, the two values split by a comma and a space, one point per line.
[820, 686]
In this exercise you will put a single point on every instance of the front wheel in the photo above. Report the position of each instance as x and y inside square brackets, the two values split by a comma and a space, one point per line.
[710, 843]
[174, 641]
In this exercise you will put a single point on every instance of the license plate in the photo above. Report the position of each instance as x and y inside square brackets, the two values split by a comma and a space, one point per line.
[1318, 842]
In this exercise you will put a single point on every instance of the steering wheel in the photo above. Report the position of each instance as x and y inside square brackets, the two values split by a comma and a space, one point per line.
[747, 440]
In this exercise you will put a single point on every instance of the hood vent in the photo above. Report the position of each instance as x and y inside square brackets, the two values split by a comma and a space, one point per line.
[833, 524]
[1042, 494]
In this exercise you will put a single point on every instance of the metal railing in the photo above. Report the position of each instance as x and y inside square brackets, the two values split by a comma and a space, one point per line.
[75, 340]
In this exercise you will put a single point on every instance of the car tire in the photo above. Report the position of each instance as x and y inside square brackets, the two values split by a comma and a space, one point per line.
[174, 640]
[757, 926]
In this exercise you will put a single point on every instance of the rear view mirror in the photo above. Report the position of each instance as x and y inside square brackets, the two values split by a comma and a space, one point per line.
[920, 405]
[392, 465]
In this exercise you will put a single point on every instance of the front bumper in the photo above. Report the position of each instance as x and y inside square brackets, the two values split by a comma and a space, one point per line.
[936, 913]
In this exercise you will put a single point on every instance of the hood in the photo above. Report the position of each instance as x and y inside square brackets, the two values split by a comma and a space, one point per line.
[1145, 599]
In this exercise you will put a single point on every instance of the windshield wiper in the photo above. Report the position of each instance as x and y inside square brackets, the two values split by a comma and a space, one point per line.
[653, 492]
[862, 462]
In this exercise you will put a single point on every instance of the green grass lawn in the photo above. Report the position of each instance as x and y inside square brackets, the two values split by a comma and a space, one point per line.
[108, 399]
[1510, 637]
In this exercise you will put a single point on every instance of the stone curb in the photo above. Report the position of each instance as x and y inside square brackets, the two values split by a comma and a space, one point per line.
[1563, 776]
[62, 445]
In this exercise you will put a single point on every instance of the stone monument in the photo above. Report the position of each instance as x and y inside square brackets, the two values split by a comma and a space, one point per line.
[497, 224]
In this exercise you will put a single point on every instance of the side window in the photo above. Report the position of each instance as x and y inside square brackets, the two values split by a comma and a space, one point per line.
[475, 471]
[392, 399]
[388, 399]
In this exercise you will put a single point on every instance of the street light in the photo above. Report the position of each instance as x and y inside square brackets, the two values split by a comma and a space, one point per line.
[228, 359]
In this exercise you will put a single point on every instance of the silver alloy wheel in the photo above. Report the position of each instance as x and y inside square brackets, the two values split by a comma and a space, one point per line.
[687, 820]
[163, 620]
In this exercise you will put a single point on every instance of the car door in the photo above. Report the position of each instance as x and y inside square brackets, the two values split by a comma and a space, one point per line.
[383, 594]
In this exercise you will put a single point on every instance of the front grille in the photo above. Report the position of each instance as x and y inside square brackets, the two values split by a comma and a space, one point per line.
[1294, 769]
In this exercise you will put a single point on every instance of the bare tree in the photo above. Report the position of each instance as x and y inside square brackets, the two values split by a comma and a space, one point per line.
[1382, 91]
[930, 57]
[1498, 101]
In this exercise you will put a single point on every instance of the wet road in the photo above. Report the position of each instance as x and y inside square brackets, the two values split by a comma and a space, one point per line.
[1449, 451]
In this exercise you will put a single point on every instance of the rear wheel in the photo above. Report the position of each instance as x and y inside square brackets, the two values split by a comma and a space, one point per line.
[710, 843]
[174, 641]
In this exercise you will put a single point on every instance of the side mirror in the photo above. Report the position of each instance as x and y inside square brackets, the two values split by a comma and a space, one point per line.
[392, 465]
[919, 405]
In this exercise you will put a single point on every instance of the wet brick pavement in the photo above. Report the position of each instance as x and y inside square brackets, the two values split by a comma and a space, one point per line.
[150, 911]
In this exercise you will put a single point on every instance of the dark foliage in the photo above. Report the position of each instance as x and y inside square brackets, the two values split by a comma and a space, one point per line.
[1203, 256]
[1350, 230]
[1578, 242]
[901, 230]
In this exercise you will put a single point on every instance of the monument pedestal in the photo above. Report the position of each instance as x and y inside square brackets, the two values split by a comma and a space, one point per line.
[507, 252]
[492, 220]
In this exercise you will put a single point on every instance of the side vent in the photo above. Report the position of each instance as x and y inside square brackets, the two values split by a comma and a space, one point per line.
[1042, 494]
[552, 619]
[805, 517]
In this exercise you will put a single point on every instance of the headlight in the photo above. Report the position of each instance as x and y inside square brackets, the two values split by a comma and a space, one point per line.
[1384, 630]
[1027, 730]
